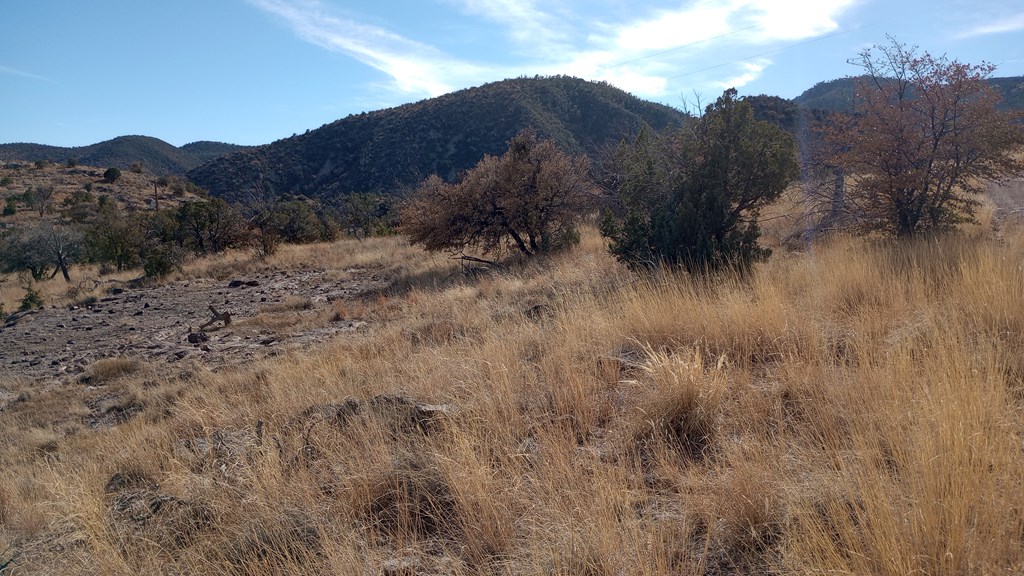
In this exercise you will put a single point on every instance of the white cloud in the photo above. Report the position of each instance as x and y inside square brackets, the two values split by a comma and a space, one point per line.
[750, 71]
[669, 29]
[415, 68]
[792, 19]
[1003, 25]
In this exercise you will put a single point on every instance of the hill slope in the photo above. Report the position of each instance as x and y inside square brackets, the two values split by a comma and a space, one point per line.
[381, 151]
[158, 157]
[837, 95]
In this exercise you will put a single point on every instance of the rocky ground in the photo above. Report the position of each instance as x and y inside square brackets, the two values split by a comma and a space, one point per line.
[270, 312]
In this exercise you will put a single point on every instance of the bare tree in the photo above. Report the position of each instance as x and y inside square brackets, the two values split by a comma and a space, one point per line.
[41, 247]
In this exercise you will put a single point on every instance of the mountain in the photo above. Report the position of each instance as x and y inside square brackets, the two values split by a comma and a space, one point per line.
[837, 95]
[385, 150]
[157, 157]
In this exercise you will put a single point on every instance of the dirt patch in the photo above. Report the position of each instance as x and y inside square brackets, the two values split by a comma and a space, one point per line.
[1008, 197]
[155, 324]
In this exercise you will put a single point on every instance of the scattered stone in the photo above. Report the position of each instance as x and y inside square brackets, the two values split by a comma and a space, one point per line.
[121, 328]
[407, 566]
[197, 337]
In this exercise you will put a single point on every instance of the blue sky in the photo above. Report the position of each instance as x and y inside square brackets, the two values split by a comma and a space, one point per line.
[76, 72]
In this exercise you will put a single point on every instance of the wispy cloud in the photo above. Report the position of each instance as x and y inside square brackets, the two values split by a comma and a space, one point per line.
[22, 73]
[415, 67]
[750, 71]
[1001, 26]
[533, 28]
[642, 54]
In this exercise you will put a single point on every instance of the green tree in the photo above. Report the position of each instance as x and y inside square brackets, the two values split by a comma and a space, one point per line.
[210, 226]
[924, 138]
[114, 239]
[111, 175]
[691, 197]
[39, 198]
[161, 250]
[528, 200]
[296, 221]
[366, 214]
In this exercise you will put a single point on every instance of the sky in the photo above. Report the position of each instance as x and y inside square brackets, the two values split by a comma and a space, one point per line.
[76, 72]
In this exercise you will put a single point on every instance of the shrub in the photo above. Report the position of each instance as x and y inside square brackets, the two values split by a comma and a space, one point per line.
[691, 197]
[32, 300]
[527, 200]
[162, 259]
[111, 175]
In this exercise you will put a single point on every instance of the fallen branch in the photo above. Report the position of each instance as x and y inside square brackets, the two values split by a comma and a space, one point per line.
[466, 258]
[217, 317]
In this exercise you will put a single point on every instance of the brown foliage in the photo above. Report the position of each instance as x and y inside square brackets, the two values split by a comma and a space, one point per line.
[528, 199]
[924, 137]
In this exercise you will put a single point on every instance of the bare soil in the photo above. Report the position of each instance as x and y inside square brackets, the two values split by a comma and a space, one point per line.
[271, 312]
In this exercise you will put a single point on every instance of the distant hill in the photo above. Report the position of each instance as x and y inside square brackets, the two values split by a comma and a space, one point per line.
[837, 95]
[381, 151]
[157, 157]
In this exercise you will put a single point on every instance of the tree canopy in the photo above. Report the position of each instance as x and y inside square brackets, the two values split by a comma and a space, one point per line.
[924, 137]
[691, 197]
[528, 200]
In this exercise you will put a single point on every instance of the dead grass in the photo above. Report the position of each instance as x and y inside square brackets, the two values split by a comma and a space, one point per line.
[103, 371]
[850, 409]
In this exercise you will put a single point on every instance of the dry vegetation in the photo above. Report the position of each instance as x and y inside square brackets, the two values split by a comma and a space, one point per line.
[851, 409]
[132, 191]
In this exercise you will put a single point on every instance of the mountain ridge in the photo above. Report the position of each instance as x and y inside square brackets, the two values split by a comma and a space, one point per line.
[384, 150]
[156, 156]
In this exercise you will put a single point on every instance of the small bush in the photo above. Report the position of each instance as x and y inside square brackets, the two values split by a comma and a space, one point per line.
[10, 207]
[111, 175]
[32, 300]
[162, 260]
[6, 181]
[135, 168]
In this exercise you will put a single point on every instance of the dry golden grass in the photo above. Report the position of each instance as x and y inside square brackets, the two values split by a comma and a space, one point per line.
[853, 409]
[86, 283]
